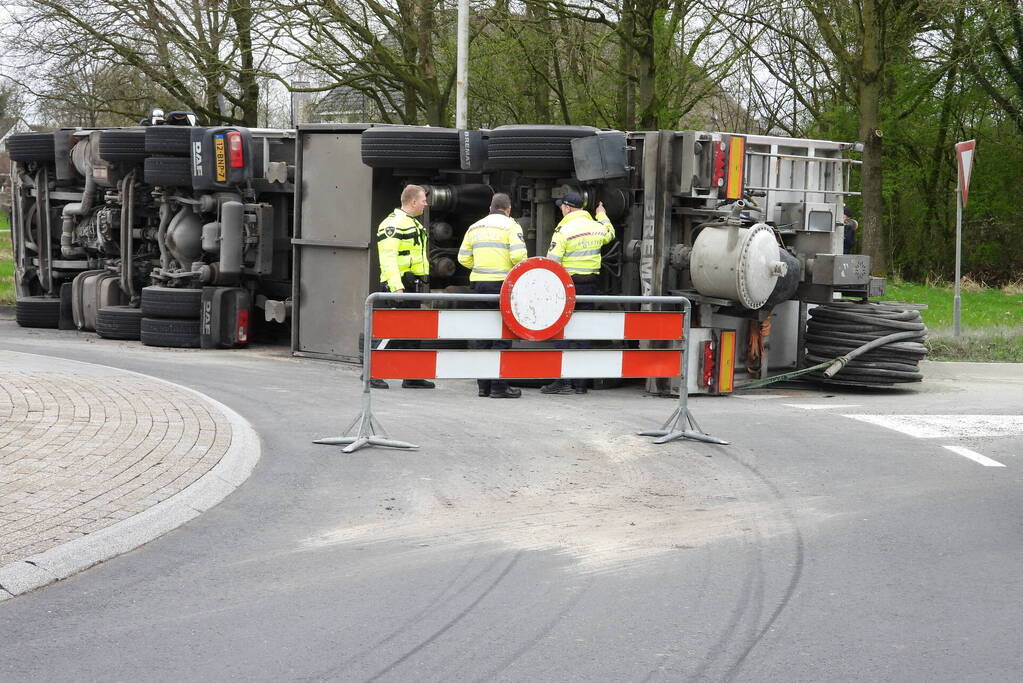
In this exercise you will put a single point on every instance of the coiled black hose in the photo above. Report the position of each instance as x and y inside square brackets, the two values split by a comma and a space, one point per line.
[839, 328]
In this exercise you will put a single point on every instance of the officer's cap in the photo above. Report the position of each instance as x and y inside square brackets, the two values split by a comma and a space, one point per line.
[572, 199]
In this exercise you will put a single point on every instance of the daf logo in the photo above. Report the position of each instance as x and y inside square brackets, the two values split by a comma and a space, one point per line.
[207, 317]
[197, 159]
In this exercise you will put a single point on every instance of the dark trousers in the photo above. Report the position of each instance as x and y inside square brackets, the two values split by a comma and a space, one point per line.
[581, 289]
[483, 287]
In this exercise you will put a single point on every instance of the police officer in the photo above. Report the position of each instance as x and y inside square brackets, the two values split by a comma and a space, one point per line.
[492, 245]
[576, 244]
[401, 245]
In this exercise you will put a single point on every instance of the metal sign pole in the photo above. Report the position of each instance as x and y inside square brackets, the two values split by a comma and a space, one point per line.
[956, 301]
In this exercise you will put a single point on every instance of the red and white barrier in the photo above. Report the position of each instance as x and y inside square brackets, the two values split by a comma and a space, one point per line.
[524, 364]
[537, 303]
[458, 324]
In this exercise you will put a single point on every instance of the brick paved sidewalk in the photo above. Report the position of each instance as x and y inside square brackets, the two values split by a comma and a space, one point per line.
[85, 446]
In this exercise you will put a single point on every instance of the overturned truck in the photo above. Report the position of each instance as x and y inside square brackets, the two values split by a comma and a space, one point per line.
[748, 227]
[186, 235]
[168, 234]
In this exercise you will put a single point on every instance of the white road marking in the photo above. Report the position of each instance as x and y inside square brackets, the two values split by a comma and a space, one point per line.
[821, 406]
[975, 456]
[948, 426]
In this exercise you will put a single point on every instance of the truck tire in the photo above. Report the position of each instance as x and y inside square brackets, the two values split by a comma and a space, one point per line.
[167, 302]
[169, 140]
[119, 322]
[31, 147]
[38, 311]
[122, 145]
[410, 147]
[168, 171]
[171, 332]
[534, 148]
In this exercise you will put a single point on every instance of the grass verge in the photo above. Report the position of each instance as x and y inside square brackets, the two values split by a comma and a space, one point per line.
[991, 321]
[6, 263]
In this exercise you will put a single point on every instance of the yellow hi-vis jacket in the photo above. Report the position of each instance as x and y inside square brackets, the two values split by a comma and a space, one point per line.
[577, 240]
[401, 244]
[492, 245]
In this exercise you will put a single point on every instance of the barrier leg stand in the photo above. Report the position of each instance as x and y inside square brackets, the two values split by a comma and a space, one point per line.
[675, 426]
[370, 432]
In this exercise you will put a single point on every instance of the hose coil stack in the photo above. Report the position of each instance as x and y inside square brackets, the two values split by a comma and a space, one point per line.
[836, 329]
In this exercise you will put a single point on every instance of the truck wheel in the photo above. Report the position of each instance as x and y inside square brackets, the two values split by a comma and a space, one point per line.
[167, 302]
[31, 147]
[119, 322]
[172, 332]
[168, 171]
[122, 145]
[410, 147]
[169, 140]
[38, 311]
[534, 148]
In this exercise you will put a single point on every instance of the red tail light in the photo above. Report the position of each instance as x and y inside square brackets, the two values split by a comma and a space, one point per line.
[243, 326]
[235, 157]
[717, 178]
[708, 364]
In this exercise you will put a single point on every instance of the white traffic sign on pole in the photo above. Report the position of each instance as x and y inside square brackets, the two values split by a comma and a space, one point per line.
[964, 159]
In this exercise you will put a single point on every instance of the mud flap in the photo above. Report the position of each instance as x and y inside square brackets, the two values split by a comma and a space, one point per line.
[224, 317]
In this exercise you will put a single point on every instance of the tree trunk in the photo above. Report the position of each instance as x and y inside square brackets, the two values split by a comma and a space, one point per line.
[646, 67]
[869, 96]
[627, 103]
[241, 14]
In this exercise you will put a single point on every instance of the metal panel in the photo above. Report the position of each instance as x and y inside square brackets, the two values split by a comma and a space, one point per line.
[333, 224]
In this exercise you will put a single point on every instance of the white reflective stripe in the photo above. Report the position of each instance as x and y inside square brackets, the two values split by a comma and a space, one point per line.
[554, 257]
[596, 325]
[490, 271]
[519, 247]
[469, 324]
[591, 364]
[581, 271]
[468, 364]
[465, 252]
[583, 252]
[493, 245]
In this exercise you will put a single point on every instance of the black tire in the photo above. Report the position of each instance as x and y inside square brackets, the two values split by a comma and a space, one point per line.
[38, 311]
[66, 321]
[169, 140]
[165, 302]
[31, 147]
[534, 148]
[168, 171]
[171, 332]
[119, 322]
[122, 145]
[410, 147]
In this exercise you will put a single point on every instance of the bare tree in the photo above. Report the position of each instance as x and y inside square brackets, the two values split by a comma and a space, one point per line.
[202, 55]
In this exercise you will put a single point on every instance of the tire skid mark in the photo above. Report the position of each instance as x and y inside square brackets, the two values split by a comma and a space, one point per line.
[433, 637]
[440, 597]
[544, 631]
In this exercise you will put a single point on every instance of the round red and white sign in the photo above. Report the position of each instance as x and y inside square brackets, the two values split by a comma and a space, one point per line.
[537, 299]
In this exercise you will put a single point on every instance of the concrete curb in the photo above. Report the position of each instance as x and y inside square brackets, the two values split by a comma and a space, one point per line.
[208, 490]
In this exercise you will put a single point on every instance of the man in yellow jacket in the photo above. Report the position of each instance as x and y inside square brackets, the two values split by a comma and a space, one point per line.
[576, 245]
[492, 245]
[401, 246]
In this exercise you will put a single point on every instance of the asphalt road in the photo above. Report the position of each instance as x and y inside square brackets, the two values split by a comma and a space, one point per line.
[836, 538]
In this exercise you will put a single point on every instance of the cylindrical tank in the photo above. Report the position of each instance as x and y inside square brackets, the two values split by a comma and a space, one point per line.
[737, 263]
